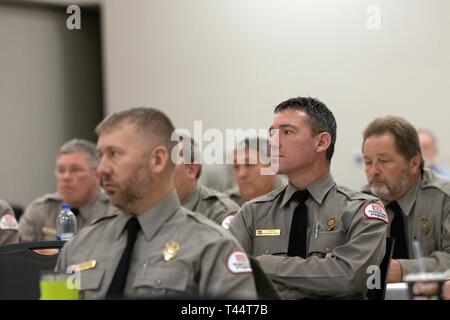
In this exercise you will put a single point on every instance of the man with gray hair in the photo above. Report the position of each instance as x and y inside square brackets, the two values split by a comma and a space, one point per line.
[192, 194]
[77, 185]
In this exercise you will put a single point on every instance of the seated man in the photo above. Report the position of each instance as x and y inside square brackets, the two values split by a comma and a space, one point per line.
[155, 248]
[249, 157]
[313, 238]
[430, 150]
[78, 185]
[417, 200]
[193, 195]
[8, 224]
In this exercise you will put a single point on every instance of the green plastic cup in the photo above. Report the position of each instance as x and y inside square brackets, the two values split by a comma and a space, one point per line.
[54, 286]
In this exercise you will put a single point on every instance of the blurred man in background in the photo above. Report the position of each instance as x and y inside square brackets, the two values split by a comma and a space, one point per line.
[430, 150]
[77, 184]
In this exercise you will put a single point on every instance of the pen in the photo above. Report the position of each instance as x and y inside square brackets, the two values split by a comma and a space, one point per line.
[316, 232]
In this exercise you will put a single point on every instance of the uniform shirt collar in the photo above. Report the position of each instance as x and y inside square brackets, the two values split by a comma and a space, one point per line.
[89, 205]
[409, 198]
[192, 198]
[318, 189]
[152, 219]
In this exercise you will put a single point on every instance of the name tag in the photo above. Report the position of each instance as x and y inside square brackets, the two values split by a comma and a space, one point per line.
[90, 264]
[268, 232]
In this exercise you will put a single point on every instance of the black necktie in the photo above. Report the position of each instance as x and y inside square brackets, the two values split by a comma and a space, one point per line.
[297, 235]
[398, 232]
[120, 276]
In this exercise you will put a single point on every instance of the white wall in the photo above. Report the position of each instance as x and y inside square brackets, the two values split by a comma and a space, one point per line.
[50, 91]
[229, 63]
[226, 62]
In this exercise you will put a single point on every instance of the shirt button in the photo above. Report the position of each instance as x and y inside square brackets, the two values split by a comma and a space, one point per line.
[267, 251]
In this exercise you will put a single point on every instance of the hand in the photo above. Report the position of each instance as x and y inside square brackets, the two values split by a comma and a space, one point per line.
[395, 272]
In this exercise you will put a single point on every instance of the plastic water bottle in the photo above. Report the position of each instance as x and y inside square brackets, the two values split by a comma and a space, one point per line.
[66, 224]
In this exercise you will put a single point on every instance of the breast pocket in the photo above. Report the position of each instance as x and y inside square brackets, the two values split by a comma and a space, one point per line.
[274, 245]
[169, 280]
[90, 282]
[325, 243]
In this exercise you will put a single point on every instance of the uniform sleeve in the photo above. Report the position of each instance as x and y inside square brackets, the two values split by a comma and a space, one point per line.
[439, 260]
[343, 271]
[226, 272]
[240, 227]
[8, 225]
[28, 227]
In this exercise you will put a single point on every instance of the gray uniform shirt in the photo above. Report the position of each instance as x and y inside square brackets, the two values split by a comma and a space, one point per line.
[8, 224]
[235, 195]
[345, 234]
[211, 203]
[426, 209]
[205, 260]
[38, 222]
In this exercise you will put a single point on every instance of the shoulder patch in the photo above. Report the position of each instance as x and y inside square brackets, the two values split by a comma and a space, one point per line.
[104, 218]
[375, 211]
[238, 263]
[8, 222]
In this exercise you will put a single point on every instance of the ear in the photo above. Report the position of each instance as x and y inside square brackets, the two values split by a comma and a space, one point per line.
[158, 159]
[192, 170]
[324, 141]
[414, 163]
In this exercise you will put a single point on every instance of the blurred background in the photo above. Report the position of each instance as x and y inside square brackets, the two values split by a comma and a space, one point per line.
[227, 63]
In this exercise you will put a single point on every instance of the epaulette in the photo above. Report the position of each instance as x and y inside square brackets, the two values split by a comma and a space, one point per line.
[270, 196]
[104, 218]
[354, 195]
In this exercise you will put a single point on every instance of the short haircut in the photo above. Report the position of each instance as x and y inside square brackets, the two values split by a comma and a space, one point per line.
[405, 135]
[193, 155]
[152, 123]
[82, 146]
[321, 118]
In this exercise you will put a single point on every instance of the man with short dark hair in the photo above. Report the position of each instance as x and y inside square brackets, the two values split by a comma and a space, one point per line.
[155, 248]
[193, 195]
[417, 200]
[314, 239]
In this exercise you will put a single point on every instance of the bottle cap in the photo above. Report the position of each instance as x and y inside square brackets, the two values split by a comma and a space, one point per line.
[66, 206]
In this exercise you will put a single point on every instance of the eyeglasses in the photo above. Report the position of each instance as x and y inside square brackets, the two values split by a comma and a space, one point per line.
[72, 170]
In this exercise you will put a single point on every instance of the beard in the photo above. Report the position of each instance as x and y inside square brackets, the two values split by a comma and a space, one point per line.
[390, 193]
[134, 188]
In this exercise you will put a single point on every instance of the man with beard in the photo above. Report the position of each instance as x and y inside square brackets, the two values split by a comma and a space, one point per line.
[417, 200]
[314, 238]
[77, 184]
[155, 248]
